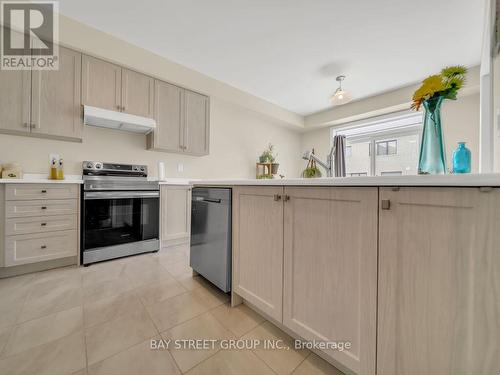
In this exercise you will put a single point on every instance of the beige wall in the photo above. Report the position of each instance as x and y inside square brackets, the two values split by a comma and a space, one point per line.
[238, 136]
[460, 123]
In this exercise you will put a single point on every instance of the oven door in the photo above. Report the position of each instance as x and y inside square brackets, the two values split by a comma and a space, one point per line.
[119, 217]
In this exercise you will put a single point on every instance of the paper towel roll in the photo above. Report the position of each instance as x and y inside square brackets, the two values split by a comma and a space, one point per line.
[161, 171]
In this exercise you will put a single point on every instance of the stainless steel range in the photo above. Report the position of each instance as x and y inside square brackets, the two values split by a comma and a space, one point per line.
[120, 211]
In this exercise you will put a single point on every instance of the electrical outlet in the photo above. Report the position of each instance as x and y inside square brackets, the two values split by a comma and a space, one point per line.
[180, 167]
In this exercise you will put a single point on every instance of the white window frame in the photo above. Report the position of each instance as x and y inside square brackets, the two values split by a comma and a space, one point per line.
[387, 126]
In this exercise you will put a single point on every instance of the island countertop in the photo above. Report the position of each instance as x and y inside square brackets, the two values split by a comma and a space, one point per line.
[451, 180]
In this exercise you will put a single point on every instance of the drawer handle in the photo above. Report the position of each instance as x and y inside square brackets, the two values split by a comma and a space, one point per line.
[43, 224]
[43, 247]
[44, 208]
[44, 191]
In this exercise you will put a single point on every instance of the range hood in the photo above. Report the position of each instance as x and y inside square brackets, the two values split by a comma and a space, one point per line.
[104, 118]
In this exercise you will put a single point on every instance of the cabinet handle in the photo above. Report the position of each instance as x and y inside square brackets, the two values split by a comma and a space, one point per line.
[44, 208]
[286, 198]
[43, 224]
[44, 191]
[385, 204]
[123, 109]
[26, 125]
[43, 247]
[277, 197]
[118, 107]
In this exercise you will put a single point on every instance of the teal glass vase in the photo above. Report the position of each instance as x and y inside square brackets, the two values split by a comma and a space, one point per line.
[461, 159]
[432, 158]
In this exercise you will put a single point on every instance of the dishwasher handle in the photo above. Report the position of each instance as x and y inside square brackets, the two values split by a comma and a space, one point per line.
[208, 200]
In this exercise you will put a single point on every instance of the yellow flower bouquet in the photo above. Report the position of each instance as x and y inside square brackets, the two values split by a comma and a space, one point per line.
[446, 84]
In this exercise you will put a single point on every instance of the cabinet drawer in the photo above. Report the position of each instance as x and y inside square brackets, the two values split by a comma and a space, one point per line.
[41, 191]
[41, 208]
[39, 224]
[32, 248]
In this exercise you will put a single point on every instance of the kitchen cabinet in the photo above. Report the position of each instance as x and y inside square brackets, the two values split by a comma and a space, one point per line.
[38, 222]
[438, 309]
[15, 101]
[137, 93]
[43, 103]
[258, 247]
[56, 98]
[330, 269]
[168, 135]
[101, 84]
[109, 86]
[182, 121]
[175, 218]
[196, 129]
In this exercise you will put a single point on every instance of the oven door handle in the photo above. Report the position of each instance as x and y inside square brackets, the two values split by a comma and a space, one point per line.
[120, 194]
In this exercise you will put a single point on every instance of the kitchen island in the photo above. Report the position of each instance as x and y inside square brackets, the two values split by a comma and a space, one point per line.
[403, 272]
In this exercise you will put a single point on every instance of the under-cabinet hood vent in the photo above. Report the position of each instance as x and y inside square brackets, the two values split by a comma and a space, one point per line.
[104, 118]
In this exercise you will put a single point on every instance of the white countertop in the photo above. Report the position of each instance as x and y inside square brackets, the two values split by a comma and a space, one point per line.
[487, 179]
[32, 178]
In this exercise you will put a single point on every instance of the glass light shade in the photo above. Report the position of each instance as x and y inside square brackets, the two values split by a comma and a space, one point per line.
[341, 97]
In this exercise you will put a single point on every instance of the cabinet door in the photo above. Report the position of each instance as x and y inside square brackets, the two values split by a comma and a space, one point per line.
[137, 93]
[56, 98]
[196, 124]
[168, 103]
[101, 84]
[15, 101]
[330, 270]
[175, 213]
[439, 283]
[15, 98]
[258, 247]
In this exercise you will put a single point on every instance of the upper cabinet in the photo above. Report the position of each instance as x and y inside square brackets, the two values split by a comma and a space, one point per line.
[137, 93]
[43, 103]
[56, 98]
[182, 121]
[168, 114]
[196, 123]
[15, 101]
[109, 86]
[102, 84]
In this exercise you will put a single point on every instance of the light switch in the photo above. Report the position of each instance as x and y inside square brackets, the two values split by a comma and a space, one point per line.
[180, 167]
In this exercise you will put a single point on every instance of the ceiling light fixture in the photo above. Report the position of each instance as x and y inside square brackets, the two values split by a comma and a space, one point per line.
[341, 96]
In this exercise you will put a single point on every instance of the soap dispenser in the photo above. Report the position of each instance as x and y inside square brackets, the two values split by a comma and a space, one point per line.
[60, 170]
[53, 168]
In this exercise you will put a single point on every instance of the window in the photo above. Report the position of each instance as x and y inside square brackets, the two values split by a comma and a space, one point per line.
[383, 146]
[348, 151]
[387, 147]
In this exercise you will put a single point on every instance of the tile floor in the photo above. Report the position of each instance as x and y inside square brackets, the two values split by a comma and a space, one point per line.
[101, 319]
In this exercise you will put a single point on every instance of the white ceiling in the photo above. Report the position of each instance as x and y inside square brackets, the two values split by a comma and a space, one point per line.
[289, 51]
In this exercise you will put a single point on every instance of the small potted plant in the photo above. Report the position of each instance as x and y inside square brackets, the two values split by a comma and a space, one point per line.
[268, 156]
[312, 170]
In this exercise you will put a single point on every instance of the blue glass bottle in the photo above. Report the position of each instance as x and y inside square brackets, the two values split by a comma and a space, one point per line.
[461, 159]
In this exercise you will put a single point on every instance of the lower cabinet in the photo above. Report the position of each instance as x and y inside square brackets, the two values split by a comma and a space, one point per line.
[258, 247]
[330, 270]
[175, 218]
[38, 222]
[439, 281]
[307, 257]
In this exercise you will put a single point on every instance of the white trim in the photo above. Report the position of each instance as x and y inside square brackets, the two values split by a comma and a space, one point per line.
[486, 128]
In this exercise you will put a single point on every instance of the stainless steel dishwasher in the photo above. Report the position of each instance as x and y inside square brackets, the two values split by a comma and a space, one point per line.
[210, 253]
